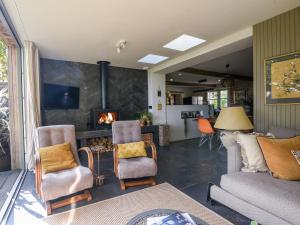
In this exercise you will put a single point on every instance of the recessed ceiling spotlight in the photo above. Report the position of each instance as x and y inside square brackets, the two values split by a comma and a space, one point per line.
[152, 59]
[180, 74]
[184, 42]
[171, 79]
[219, 80]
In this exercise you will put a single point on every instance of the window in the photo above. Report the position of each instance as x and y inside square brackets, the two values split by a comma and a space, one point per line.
[212, 98]
[223, 99]
[218, 98]
[197, 100]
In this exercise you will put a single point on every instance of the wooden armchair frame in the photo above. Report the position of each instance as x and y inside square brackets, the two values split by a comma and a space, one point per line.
[146, 181]
[38, 181]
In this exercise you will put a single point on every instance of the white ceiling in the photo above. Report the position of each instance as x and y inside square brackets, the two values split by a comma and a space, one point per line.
[87, 31]
[241, 63]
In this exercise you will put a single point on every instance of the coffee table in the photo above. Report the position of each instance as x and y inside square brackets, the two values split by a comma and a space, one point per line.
[141, 219]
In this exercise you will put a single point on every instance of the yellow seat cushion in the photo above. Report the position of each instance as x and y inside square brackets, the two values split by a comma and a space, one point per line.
[279, 158]
[131, 150]
[57, 157]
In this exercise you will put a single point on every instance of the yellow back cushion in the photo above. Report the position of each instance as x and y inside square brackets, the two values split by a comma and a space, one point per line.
[57, 157]
[131, 150]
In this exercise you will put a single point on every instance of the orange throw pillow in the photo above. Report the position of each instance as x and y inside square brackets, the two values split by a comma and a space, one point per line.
[279, 158]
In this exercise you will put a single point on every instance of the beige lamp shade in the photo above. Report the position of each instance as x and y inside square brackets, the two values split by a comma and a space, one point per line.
[233, 118]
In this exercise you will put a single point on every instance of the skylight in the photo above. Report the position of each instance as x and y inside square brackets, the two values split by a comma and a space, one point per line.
[184, 42]
[152, 59]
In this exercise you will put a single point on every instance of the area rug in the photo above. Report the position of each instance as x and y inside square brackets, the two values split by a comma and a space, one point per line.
[119, 210]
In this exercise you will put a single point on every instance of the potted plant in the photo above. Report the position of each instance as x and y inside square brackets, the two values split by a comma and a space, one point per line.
[145, 118]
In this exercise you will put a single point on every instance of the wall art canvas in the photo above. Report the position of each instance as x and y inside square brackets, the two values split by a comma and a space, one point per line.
[282, 79]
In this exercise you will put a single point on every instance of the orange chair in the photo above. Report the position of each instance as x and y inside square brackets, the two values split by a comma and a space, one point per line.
[206, 131]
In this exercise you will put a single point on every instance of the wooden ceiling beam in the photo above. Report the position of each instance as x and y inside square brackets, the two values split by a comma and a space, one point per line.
[215, 74]
[175, 83]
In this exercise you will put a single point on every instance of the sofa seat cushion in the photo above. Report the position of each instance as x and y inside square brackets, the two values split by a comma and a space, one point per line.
[278, 197]
[137, 168]
[66, 182]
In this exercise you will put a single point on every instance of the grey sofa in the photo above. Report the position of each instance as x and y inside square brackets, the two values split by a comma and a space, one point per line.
[258, 196]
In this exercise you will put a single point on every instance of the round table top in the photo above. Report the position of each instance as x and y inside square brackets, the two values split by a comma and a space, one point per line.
[141, 219]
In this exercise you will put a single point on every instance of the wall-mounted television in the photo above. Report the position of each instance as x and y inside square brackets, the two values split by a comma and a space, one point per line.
[60, 97]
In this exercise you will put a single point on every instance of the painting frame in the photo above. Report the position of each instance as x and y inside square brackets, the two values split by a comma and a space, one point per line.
[268, 78]
[239, 96]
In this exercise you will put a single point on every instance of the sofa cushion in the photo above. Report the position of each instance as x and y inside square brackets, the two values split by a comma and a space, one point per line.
[66, 182]
[279, 157]
[278, 197]
[254, 155]
[280, 132]
[137, 168]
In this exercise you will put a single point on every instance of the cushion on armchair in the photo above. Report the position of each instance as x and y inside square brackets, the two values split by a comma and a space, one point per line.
[66, 182]
[131, 150]
[57, 157]
[137, 168]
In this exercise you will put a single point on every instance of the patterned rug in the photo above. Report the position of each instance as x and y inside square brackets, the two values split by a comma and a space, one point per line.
[119, 210]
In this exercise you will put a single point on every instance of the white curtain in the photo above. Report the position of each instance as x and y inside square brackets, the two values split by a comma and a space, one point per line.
[32, 100]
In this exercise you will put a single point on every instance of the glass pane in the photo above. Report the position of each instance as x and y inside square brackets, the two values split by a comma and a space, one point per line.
[200, 100]
[194, 100]
[224, 94]
[213, 102]
[212, 95]
[224, 103]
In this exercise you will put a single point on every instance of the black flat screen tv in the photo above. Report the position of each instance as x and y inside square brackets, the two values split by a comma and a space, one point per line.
[60, 97]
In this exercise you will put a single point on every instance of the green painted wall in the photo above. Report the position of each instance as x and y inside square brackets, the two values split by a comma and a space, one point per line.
[277, 36]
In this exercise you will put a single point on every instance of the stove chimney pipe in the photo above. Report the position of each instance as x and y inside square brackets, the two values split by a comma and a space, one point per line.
[103, 66]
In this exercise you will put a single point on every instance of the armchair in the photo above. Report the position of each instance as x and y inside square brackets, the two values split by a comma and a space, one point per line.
[132, 168]
[54, 185]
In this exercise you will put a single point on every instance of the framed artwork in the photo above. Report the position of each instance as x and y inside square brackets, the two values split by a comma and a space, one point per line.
[239, 97]
[282, 79]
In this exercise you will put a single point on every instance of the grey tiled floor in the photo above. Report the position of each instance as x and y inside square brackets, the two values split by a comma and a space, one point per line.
[7, 180]
[183, 164]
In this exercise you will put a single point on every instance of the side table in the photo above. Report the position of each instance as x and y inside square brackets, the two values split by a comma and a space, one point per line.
[99, 178]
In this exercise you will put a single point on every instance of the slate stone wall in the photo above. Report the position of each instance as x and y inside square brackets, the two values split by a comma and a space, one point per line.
[127, 91]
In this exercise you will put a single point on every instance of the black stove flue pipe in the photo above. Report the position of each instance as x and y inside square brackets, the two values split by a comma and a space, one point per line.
[103, 66]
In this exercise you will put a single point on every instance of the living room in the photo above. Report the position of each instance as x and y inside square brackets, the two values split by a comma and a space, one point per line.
[144, 112]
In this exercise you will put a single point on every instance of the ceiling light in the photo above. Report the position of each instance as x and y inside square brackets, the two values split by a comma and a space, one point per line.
[184, 42]
[121, 45]
[180, 74]
[152, 59]
[145, 68]
[219, 80]
[171, 79]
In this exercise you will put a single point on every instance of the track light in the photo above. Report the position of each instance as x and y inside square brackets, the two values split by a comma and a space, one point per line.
[121, 45]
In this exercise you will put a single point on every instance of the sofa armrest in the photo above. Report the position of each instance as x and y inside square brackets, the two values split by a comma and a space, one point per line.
[234, 157]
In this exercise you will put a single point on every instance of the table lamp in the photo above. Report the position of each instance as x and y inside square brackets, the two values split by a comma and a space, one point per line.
[234, 119]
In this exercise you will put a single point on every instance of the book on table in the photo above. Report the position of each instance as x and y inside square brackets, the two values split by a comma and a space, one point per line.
[173, 219]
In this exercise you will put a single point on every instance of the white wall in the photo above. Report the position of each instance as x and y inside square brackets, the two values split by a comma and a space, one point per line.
[177, 124]
[156, 81]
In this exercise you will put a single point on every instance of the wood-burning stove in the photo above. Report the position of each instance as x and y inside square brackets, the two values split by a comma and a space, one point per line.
[103, 118]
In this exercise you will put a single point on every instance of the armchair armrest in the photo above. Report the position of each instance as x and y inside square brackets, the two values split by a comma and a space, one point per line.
[90, 157]
[154, 151]
[38, 174]
[116, 159]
